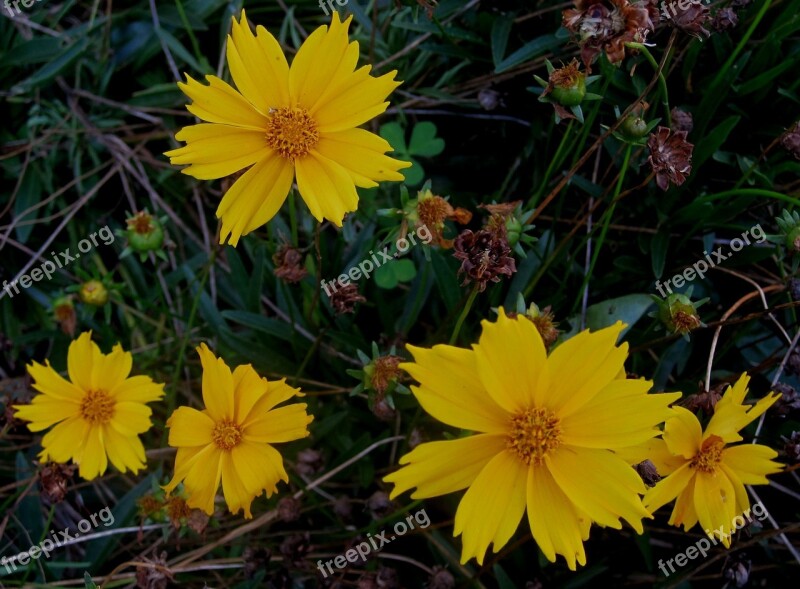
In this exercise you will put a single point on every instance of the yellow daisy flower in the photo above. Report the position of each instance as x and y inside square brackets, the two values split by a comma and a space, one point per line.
[97, 414]
[705, 474]
[231, 438]
[286, 122]
[547, 426]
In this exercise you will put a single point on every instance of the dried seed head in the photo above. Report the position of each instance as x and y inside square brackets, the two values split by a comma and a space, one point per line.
[670, 156]
[288, 262]
[53, 481]
[647, 470]
[344, 299]
[289, 509]
[485, 257]
[441, 579]
[681, 120]
[791, 140]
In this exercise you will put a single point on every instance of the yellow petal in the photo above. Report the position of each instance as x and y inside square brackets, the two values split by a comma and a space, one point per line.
[751, 462]
[684, 514]
[277, 392]
[202, 480]
[217, 385]
[216, 151]
[81, 356]
[220, 103]
[655, 450]
[622, 414]
[45, 410]
[450, 389]
[326, 187]
[258, 66]
[557, 525]
[668, 488]
[582, 366]
[742, 499]
[185, 460]
[492, 507]
[682, 433]
[236, 496]
[124, 452]
[249, 387]
[259, 467]
[360, 99]
[111, 370]
[66, 440]
[321, 62]
[438, 468]
[283, 424]
[599, 483]
[511, 361]
[131, 418]
[190, 427]
[138, 389]
[715, 504]
[255, 198]
[93, 461]
[360, 153]
[49, 382]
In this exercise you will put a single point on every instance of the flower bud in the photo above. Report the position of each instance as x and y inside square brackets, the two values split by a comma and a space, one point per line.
[94, 293]
[145, 232]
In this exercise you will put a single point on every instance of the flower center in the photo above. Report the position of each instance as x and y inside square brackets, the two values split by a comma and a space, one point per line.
[534, 433]
[292, 132]
[226, 434]
[710, 455]
[97, 407]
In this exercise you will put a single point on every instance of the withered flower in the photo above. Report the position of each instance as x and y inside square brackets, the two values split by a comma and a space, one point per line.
[567, 87]
[64, 314]
[704, 400]
[153, 573]
[670, 156]
[789, 401]
[681, 120]
[433, 211]
[53, 480]
[791, 140]
[689, 19]
[441, 578]
[606, 25]
[385, 371]
[344, 299]
[725, 18]
[647, 470]
[791, 447]
[177, 510]
[289, 509]
[485, 256]
[288, 262]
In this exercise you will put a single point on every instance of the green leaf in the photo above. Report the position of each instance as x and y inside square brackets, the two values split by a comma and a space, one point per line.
[501, 28]
[658, 252]
[628, 309]
[390, 275]
[527, 52]
[424, 141]
[394, 134]
[713, 141]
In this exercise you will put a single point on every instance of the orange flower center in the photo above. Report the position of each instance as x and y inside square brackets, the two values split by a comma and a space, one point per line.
[226, 434]
[292, 132]
[710, 455]
[534, 433]
[97, 407]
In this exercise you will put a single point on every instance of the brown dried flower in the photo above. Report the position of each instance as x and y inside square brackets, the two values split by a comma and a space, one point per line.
[433, 211]
[385, 371]
[606, 25]
[791, 140]
[177, 510]
[441, 579]
[670, 156]
[288, 262]
[344, 299]
[725, 18]
[485, 256]
[689, 19]
[681, 120]
[53, 480]
[64, 313]
[154, 575]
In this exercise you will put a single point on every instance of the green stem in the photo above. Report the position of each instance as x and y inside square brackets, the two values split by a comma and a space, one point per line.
[195, 45]
[464, 314]
[606, 223]
[555, 161]
[662, 82]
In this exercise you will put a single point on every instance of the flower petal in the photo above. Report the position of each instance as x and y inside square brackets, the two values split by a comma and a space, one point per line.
[751, 462]
[138, 389]
[655, 450]
[255, 198]
[684, 514]
[217, 385]
[259, 467]
[450, 389]
[219, 102]
[124, 452]
[249, 387]
[190, 427]
[81, 356]
[111, 370]
[45, 410]
[599, 483]
[360, 153]
[277, 392]
[585, 364]
[236, 496]
[668, 488]
[715, 504]
[492, 507]
[185, 460]
[512, 362]
[215, 151]
[682, 433]
[93, 461]
[438, 468]
[283, 424]
[326, 187]
[557, 525]
[258, 66]
[202, 480]
[65, 441]
[51, 383]
[131, 418]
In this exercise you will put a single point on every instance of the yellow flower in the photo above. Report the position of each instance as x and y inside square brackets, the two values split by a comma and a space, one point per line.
[547, 425]
[283, 123]
[705, 474]
[97, 415]
[230, 439]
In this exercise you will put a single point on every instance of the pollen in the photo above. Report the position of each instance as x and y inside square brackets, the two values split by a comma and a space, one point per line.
[292, 132]
[533, 434]
[97, 407]
[227, 434]
[710, 455]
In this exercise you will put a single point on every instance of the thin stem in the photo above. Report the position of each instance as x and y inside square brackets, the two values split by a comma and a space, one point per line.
[464, 314]
[662, 82]
[555, 161]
